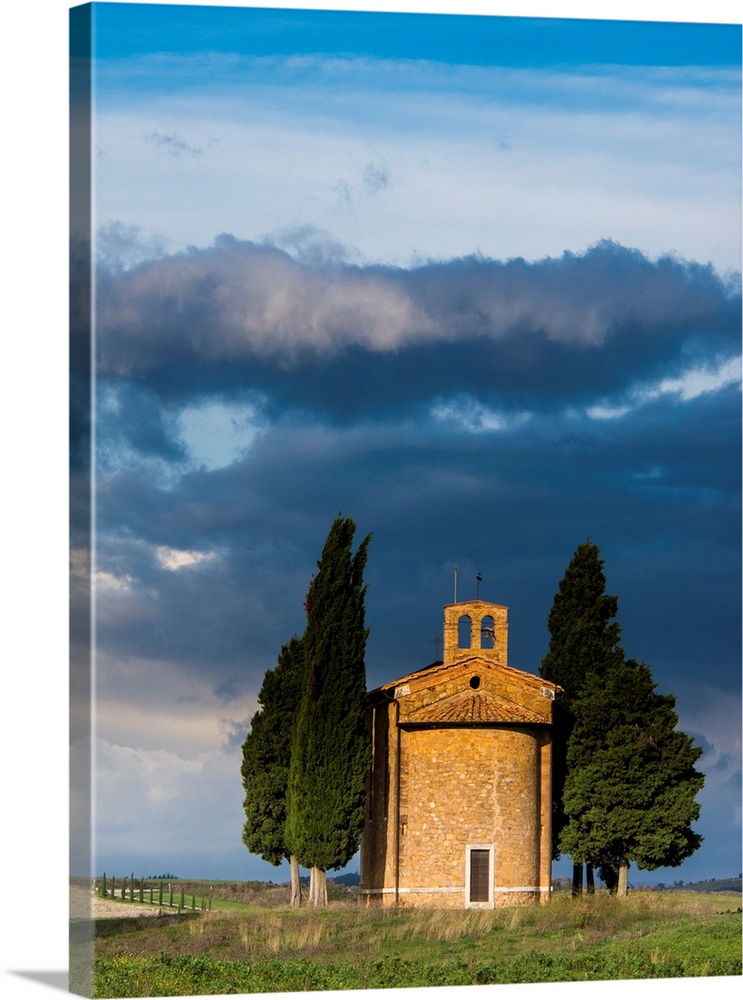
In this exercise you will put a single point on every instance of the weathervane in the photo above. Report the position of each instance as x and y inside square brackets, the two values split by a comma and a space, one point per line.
[479, 581]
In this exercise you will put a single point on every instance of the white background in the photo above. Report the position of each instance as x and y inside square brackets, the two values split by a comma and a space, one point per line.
[33, 865]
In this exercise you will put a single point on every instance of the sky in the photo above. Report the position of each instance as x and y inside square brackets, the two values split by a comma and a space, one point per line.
[472, 281]
[640, 482]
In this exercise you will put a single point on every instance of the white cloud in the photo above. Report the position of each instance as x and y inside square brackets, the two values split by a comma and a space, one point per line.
[507, 162]
[475, 417]
[166, 762]
[261, 302]
[104, 580]
[693, 383]
[155, 803]
[175, 559]
[606, 411]
[698, 381]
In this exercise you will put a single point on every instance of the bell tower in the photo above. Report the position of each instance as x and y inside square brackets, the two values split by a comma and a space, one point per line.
[476, 628]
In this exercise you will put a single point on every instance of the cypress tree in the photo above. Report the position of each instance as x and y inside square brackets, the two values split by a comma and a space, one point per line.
[584, 642]
[266, 753]
[331, 755]
[583, 638]
[630, 789]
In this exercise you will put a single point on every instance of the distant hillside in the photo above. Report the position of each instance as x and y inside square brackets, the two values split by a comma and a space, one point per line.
[350, 879]
[709, 885]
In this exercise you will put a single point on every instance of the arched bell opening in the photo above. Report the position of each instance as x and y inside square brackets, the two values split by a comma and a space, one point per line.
[464, 632]
[487, 632]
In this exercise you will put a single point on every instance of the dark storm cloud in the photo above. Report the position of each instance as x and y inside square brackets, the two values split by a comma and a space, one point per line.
[658, 491]
[348, 340]
[131, 416]
[453, 411]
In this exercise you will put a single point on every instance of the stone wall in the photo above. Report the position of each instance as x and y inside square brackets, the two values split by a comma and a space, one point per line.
[468, 787]
[476, 611]
[456, 788]
[461, 762]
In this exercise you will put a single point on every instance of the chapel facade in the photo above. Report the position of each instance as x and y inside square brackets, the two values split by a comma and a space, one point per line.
[459, 799]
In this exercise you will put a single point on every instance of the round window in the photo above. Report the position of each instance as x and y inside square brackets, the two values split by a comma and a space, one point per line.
[475, 682]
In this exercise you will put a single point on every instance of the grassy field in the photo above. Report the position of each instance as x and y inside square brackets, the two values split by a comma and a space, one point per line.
[252, 948]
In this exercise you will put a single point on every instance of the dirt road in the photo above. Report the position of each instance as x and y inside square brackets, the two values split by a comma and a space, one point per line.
[85, 904]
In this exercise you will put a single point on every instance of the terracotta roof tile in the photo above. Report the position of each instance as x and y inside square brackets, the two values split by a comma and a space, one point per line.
[479, 707]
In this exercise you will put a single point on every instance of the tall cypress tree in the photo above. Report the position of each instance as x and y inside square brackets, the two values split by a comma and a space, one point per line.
[630, 789]
[584, 642]
[331, 755]
[266, 757]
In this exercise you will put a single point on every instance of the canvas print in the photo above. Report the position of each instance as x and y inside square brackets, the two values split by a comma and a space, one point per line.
[405, 387]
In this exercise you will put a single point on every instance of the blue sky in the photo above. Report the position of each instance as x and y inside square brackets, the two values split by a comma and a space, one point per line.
[475, 283]
[126, 30]
[504, 136]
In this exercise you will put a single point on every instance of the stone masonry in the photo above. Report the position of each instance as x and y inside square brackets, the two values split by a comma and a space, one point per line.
[459, 797]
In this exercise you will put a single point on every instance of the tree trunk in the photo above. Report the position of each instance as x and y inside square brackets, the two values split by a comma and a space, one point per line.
[590, 887]
[318, 888]
[296, 898]
[609, 876]
[622, 882]
[577, 879]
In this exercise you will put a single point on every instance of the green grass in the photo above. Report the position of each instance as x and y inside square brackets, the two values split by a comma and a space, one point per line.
[250, 949]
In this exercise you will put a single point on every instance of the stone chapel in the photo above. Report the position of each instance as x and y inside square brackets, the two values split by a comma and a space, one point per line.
[458, 805]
